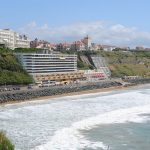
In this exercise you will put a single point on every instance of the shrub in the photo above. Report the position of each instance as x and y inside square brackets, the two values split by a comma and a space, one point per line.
[11, 71]
[5, 143]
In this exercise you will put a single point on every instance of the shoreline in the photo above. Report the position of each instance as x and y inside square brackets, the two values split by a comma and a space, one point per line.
[53, 97]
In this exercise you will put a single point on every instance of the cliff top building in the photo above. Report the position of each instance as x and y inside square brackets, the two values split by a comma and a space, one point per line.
[42, 44]
[13, 39]
[140, 48]
[87, 42]
[82, 45]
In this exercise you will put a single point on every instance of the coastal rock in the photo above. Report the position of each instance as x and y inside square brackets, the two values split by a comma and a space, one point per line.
[58, 90]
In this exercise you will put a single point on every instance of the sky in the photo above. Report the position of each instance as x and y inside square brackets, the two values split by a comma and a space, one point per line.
[113, 22]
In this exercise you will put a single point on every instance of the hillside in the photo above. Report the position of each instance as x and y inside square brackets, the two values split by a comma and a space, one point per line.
[11, 71]
[26, 50]
[128, 63]
[121, 63]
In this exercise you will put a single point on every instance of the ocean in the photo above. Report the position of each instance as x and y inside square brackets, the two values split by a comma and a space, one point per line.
[116, 120]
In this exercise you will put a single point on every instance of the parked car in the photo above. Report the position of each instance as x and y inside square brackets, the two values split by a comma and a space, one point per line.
[16, 88]
[29, 87]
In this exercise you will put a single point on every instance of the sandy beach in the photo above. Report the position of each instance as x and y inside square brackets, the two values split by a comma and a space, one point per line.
[118, 88]
[58, 122]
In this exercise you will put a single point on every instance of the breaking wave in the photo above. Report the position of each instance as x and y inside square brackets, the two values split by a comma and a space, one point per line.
[72, 139]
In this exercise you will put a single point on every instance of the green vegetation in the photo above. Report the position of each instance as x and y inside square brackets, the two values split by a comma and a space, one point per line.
[83, 65]
[121, 63]
[5, 143]
[11, 71]
[120, 70]
[26, 50]
[128, 63]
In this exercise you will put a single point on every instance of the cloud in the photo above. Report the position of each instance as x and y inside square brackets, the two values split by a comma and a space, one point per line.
[100, 32]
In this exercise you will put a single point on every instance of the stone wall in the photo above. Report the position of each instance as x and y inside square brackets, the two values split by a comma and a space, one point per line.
[138, 81]
[56, 90]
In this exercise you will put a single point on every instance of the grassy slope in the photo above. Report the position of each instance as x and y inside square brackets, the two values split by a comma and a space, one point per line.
[11, 71]
[123, 63]
[128, 63]
[120, 63]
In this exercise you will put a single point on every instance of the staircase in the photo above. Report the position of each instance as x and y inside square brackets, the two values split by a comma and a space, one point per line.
[85, 60]
[101, 65]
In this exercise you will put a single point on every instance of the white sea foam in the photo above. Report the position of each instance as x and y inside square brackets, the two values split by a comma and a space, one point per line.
[71, 138]
[58, 122]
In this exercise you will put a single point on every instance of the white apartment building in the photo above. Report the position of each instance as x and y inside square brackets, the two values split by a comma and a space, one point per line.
[13, 40]
[35, 63]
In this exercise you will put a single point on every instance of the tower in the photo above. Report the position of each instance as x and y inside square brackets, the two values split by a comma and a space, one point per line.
[87, 42]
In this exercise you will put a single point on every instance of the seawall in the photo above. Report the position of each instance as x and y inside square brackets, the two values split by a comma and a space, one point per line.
[138, 81]
[58, 90]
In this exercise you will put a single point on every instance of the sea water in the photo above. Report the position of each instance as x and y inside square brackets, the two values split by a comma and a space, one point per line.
[117, 120]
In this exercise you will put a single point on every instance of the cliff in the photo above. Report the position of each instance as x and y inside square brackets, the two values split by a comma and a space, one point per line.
[11, 71]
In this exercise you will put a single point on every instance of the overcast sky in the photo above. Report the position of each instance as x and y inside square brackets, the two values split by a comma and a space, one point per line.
[115, 22]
